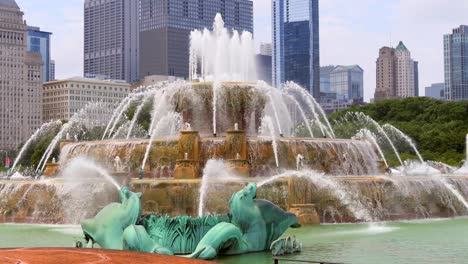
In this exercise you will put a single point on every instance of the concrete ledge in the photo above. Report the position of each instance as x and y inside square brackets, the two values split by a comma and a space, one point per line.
[78, 256]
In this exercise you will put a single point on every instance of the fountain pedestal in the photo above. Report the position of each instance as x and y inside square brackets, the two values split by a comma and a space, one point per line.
[236, 148]
[51, 169]
[188, 163]
[240, 167]
[306, 214]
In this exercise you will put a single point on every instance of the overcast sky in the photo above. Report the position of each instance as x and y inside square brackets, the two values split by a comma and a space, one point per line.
[351, 32]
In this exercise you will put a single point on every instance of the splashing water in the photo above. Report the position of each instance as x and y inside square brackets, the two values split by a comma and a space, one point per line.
[38, 133]
[355, 207]
[365, 133]
[77, 165]
[222, 56]
[51, 147]
[215, 171]
[267, 124]
[406, 138]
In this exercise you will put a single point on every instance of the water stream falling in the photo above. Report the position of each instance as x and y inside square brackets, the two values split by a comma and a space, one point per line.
[267, 124]
[356, 208]
[367, 119]
[303, 115]
[365, 133]
[137, 114]
[117, 111]
[77, 165]
[215, 171]
[51, 147]
[406, 138]
[290, 86]
[37, 134]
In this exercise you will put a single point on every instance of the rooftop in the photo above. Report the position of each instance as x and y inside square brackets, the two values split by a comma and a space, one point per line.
[401, 47]
[90, 80]
[9, 4]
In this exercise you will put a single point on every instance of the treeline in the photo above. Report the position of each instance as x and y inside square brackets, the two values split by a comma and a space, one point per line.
[439, 128]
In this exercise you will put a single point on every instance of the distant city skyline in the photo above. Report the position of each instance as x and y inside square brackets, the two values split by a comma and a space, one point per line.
[351, 32]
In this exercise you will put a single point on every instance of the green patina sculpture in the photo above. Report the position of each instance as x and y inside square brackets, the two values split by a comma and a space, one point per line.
[253, 226]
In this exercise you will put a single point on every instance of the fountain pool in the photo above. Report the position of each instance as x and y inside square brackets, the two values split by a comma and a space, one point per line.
[423, 241]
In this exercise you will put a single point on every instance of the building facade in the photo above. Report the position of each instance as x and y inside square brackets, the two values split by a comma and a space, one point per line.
[266, 49]
[264, 69]
[165, 27]
[63, 98]
[347, 82]
[296, 43]
[397, 74]
[436, 91]
[20, 73]
[386, 74]
[325, 78]
[456, 64]
[111, 39]
[52, 70]
[405, 79]
[39, 41]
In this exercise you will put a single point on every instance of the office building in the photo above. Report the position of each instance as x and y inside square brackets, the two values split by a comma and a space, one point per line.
[111, 39]
[265, 49]
[63, 98]
[347, 82]
[296, 46]
[436, 91]
[264, 69]
[52, 70]
[397, 73]
[325, 78]
[456, 64]
[39, 41]
[20, 75]
[165, 27]
[405, 81]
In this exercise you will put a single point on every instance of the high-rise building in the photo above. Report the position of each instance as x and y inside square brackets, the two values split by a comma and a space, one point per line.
[39, 41]
[397, 73]
[63, 98]
[52, 70]
[456, 64]
[266, 49]
[436, 91]
[264, 67]
[296, 46]
[20, 80]
[405, 81]
[165, 27]
[111, 39]
[386, 74]
[347, 82]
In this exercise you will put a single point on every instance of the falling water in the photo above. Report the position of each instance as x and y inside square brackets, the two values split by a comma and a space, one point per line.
[275, 111]
[303, 115]
[136, 115]
[215, 171]
[365, 133]
[215, 108]
[121, 112]
[368, 119]
[82, 163]
[406, 138]
[290, 86]
[267, 123]
[39, 132]
[356, 208]
[51, 147]
[114, 115]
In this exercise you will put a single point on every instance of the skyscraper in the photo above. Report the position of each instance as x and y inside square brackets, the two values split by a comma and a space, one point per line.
[111, 39]
[456, 64]
[405, 79]
[397, 73]
[165, 27]
[386, 74]
[20, 80]
[296, 47]
[52, 70]
[39, 41]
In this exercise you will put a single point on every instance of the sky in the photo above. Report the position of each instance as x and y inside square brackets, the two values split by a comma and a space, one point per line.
[351, 32]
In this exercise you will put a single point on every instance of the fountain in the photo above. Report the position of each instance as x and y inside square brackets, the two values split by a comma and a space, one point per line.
[212, 136]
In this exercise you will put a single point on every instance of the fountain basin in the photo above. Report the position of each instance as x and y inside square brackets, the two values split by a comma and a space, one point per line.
[49, 201]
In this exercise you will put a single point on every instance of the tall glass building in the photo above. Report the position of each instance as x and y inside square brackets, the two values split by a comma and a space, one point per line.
[456, 64]
[39, 41]
[165, 27]
[296, 47]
